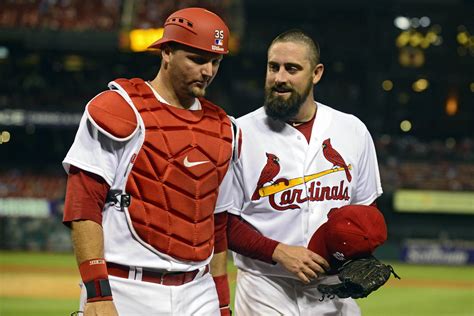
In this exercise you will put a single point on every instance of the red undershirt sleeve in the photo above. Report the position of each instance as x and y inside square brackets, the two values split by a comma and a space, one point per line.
[85, 196]
[220, 236]
[245, 240]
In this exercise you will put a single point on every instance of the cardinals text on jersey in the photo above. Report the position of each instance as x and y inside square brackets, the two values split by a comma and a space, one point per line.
[289, 195]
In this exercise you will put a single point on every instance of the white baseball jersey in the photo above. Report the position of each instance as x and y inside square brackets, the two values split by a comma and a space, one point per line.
[285, 187]
[98, 152]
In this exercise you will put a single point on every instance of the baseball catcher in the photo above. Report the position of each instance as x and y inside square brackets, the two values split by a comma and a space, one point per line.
[347, 241]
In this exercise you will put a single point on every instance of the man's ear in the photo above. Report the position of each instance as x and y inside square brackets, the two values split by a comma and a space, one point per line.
[166, 53]
[318, 73]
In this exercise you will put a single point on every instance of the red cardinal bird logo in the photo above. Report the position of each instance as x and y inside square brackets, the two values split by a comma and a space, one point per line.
[269, 172]
[335, 158]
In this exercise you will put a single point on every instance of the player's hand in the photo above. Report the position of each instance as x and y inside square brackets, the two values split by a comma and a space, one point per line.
[300, 261]
[101, 308]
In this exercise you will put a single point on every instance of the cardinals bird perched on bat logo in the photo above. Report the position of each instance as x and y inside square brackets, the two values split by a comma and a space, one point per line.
[270, 171]
[335, 158]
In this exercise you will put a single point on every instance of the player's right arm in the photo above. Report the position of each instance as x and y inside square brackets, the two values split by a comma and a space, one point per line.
[87, 240]
[88, 243]
[300, 261]
[92, 162]
[85, 196]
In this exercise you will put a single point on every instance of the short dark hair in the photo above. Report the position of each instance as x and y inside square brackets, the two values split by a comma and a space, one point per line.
[297, 35]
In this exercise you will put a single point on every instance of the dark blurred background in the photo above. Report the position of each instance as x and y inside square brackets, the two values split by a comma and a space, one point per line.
[406, 68]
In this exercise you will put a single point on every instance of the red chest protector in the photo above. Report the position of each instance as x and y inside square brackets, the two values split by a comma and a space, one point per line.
[176, 175]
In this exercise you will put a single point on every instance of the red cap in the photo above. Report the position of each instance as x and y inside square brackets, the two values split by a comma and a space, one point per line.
[198, 28]
[351, 231]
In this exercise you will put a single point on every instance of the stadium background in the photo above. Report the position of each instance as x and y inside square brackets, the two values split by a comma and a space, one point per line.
[404, 67]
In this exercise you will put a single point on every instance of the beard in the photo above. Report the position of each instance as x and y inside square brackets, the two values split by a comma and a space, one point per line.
[279, 108]
[198, 92]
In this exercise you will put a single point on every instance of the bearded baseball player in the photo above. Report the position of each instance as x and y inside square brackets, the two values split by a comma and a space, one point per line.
[298, 159]
[145, 169]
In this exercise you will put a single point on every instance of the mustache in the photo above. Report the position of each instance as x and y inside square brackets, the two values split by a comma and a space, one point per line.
[281, 88]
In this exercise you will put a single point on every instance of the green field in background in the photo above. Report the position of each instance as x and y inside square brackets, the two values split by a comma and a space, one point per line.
[37, 306]
[423, 290]
[37, 259]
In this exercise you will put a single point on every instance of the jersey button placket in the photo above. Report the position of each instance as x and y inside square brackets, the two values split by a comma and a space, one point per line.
[307, 204]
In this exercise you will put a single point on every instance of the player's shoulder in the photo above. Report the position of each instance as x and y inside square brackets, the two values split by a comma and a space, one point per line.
[112, 115]
[251, 117]
[349, 121]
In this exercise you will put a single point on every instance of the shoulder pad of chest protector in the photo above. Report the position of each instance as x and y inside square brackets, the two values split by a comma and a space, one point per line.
[113, 115]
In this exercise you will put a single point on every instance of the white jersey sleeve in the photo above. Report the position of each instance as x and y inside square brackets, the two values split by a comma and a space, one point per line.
[238, 195]
[224, 198]
[369, 186]
[94, 152]
[237, 192]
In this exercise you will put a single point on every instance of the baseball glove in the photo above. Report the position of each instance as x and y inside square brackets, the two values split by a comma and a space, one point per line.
[359, 278]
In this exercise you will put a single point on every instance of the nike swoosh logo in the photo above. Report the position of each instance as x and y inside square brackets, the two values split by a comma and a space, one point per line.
[189, 164]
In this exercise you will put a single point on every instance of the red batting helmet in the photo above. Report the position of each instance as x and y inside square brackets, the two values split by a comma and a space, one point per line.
[350, 232]
[198, 28]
